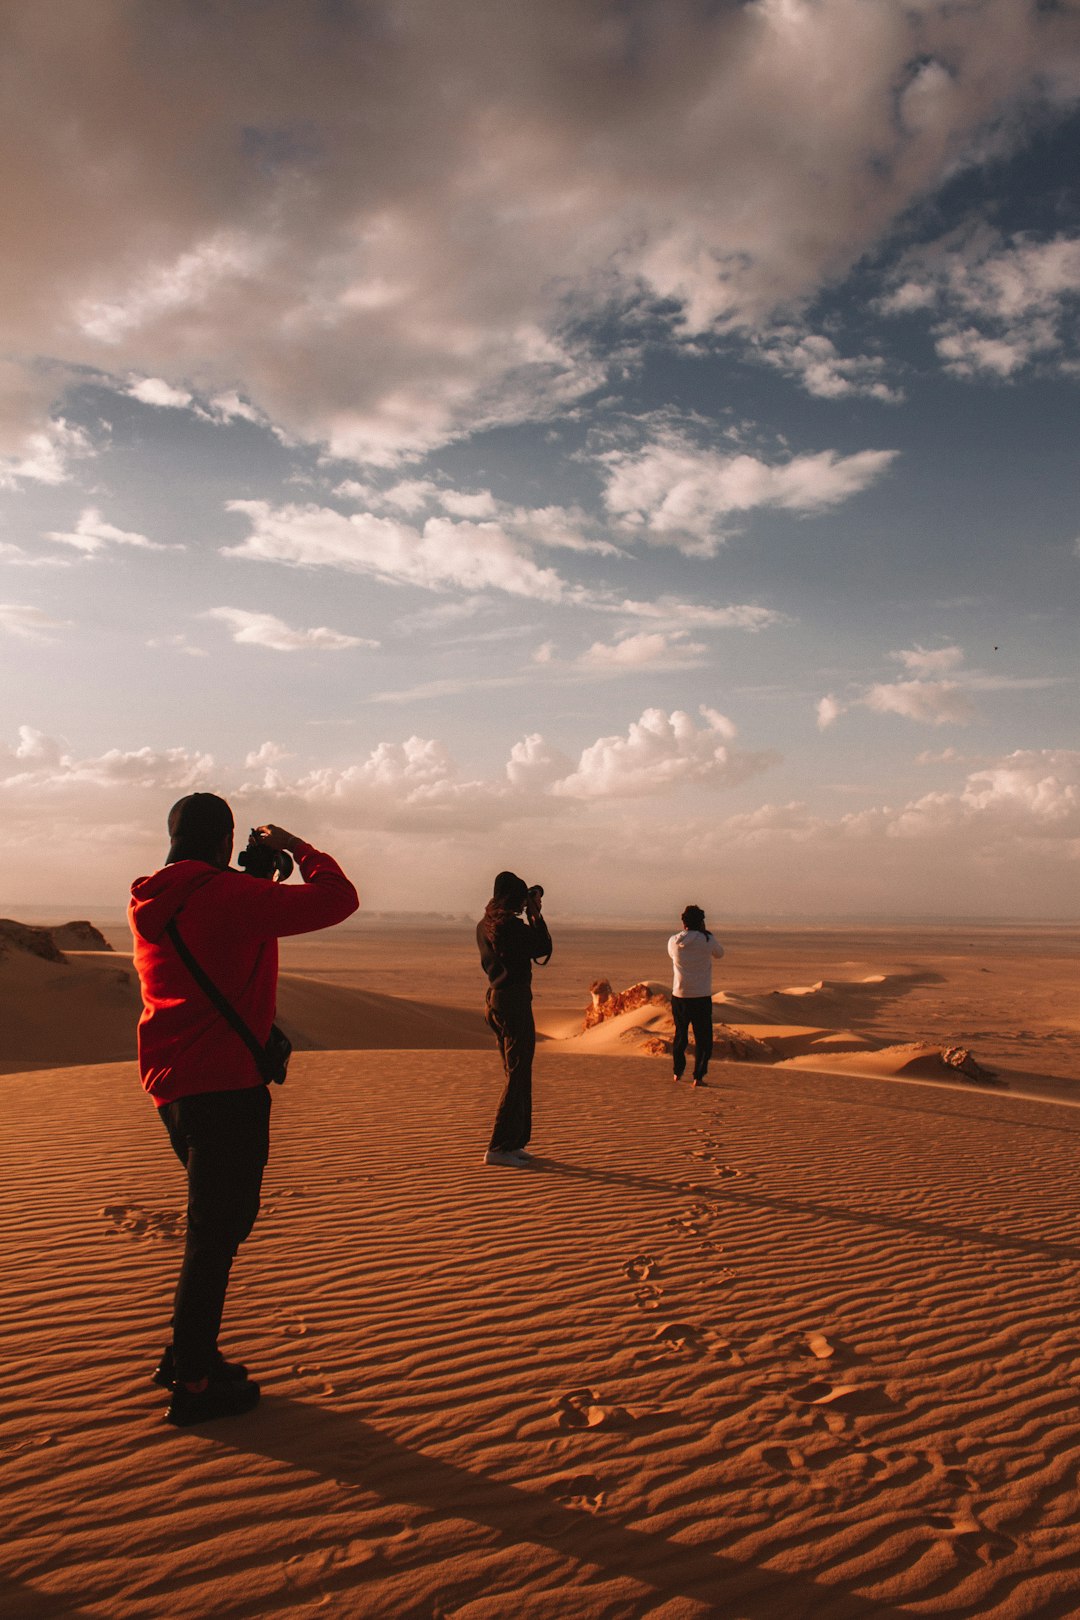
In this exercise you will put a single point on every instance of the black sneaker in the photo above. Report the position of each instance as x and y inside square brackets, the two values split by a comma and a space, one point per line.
[225, 1372]
[215, 1401]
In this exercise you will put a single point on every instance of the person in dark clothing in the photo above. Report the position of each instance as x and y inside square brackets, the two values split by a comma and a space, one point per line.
[209, 1092]
[508, 948]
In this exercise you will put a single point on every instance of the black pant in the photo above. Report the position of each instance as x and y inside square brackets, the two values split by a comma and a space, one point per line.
[692, 1012]
[222, 1138]
[511, 1018]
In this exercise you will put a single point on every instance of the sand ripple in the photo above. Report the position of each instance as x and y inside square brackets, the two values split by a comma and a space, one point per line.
[790, 1345]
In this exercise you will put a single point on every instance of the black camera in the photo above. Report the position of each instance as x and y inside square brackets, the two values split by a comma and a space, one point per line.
[259, 860]
[536, 893]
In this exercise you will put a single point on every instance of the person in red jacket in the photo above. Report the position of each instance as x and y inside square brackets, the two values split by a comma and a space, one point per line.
[200, 1073]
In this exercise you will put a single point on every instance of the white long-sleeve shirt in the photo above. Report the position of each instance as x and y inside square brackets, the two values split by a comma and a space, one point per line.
[692, 954]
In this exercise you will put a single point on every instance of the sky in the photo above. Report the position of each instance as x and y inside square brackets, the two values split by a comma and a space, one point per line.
[633, 442]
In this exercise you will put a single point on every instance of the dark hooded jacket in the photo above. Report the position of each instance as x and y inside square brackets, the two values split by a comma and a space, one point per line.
[231, 923]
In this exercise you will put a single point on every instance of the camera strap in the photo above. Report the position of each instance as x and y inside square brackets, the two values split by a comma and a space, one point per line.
[211, 991]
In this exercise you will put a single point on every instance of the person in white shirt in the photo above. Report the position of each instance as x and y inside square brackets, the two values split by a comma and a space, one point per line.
[692, 953]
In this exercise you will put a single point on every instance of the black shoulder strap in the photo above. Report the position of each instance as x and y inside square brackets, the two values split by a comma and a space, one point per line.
[210, 989]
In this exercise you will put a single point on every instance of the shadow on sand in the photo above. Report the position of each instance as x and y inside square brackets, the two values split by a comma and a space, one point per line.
[360, 1457]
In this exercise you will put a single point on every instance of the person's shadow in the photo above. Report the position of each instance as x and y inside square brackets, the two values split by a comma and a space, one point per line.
[360, 1457]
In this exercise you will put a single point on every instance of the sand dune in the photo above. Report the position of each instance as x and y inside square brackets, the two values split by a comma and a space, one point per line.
[791, 1346]
[84, 1009]
[323, 1017]
[81, 1006]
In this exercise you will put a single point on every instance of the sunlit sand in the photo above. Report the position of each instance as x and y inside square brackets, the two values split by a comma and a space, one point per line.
[801, 1342]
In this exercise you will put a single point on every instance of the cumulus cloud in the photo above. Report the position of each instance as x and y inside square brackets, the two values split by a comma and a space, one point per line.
[419, 256]
[28, 622]
[534, 765]
[443, 553]
[266, 630]
[929, 660]
[1032, 793]
[268, 753]
[661, 751]
[156, 391]
[557, 527]
[941, 692]
[45, 455]
[677, 493]
[1000, 303]
[935, 703]
[814, 361]
[92, 534]
[41, 762]
[647, 650]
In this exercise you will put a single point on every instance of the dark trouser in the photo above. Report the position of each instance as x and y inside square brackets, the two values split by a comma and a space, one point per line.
[692, 1012]
[222, 1138]
[512, 1020]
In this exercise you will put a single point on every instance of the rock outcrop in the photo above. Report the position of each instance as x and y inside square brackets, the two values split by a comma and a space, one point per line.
[960, 1058]
[50, 943]
[79, 936]
[17, 936]
[608, 1003]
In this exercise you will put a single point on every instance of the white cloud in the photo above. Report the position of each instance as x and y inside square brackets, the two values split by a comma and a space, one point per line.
[558, 527]
[646, 650]
[815, 361]
[936, 703]
[1032, 793]
[266, 630]
[458, 503]
[471, 556]
[92, 534]
[679, 494]
[829, 710]
[382, 267]
[35, 747]
[156, 391]
[1002, 303]
[40, 762]
[661, 751]
[176, 643]
[229, 406]
[930, 661]
[939, 756]
[268, 753]
[45, 456]
[30, 623]
[675, 614]
[534, 765]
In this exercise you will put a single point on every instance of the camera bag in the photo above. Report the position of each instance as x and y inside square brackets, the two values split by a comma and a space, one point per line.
[272, 1060]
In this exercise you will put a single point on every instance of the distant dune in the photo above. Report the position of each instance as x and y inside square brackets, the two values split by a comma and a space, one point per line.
[82, 1006]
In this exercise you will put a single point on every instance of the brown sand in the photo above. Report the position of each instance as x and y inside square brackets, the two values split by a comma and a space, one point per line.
[799, 1343]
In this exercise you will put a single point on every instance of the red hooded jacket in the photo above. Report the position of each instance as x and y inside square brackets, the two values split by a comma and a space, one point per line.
[231, 924]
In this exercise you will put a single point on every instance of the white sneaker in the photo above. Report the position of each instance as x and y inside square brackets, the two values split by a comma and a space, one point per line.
[497, 1156]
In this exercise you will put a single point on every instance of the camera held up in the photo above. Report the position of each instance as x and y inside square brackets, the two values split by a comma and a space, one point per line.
[259, 860]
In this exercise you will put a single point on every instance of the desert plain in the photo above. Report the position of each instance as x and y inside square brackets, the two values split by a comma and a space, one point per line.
[803, 1342]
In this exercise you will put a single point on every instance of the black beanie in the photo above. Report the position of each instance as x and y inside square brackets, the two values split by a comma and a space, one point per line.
[510, 888]
[198, 825]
